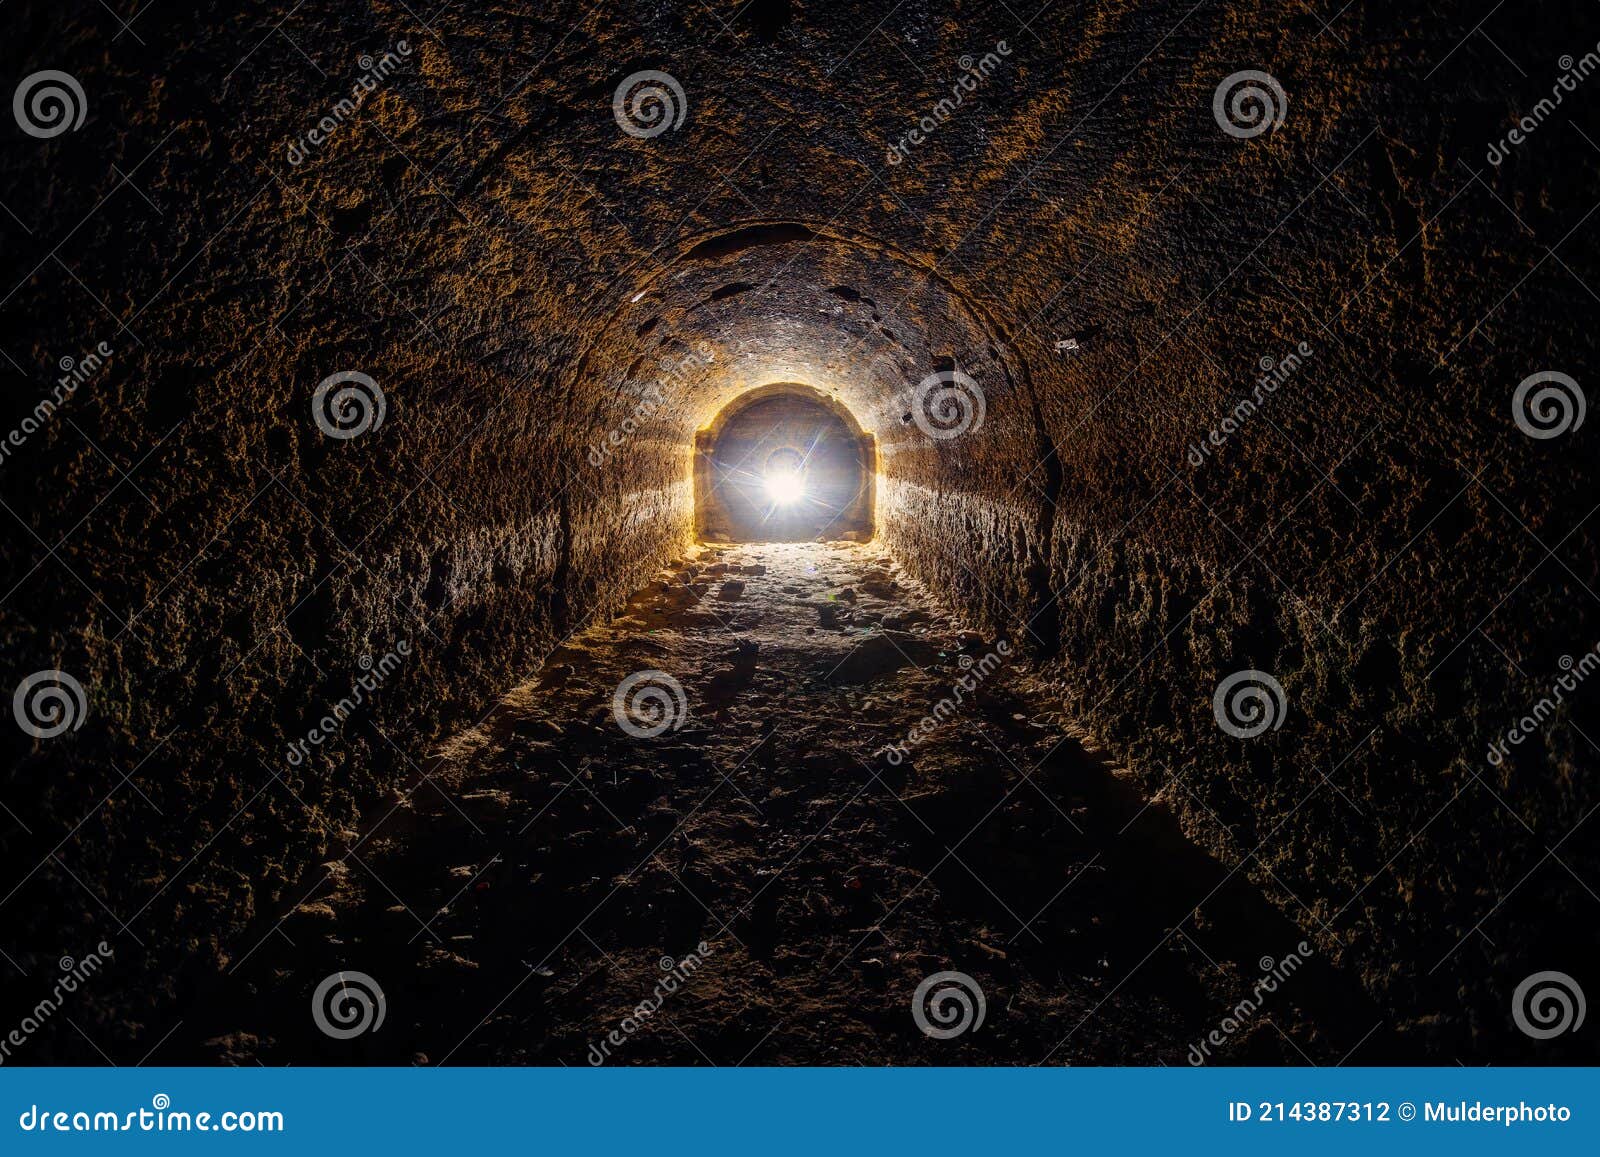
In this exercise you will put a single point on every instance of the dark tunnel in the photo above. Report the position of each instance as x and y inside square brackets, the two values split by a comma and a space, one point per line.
[485, 528]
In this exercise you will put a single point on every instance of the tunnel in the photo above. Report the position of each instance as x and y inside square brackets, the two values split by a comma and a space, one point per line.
[921, 492]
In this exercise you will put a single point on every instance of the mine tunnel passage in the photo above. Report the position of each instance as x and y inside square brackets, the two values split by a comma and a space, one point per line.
[784, 463]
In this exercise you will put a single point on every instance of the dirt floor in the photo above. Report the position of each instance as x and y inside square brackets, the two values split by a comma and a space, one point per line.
[767, 854]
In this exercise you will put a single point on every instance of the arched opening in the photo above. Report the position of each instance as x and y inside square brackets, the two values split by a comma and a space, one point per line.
[784, 463]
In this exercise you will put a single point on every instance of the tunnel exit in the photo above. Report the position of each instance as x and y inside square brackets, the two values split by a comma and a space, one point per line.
[784, 463]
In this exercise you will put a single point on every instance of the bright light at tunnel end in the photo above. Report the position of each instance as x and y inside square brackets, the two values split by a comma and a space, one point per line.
[784, 486]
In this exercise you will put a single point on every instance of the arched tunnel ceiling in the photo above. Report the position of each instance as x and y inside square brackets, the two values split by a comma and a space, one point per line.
[1113, 269]
[786, 301]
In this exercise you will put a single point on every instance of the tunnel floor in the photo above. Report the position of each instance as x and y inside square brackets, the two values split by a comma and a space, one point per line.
[521, 901]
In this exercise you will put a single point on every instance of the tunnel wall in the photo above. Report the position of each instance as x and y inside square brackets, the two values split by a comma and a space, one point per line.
[1379, 534]
[254, 572]
[524, 281]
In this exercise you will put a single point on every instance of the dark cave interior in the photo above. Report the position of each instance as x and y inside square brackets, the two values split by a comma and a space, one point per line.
[402, 458]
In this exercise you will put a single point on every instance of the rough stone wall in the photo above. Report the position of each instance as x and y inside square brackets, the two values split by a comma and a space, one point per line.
[515, 271]
[1380, 536]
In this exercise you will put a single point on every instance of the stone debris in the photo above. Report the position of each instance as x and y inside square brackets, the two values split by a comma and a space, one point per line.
[820, 808]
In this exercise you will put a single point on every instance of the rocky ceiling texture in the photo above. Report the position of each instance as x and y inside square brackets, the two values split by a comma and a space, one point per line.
[552, 296]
